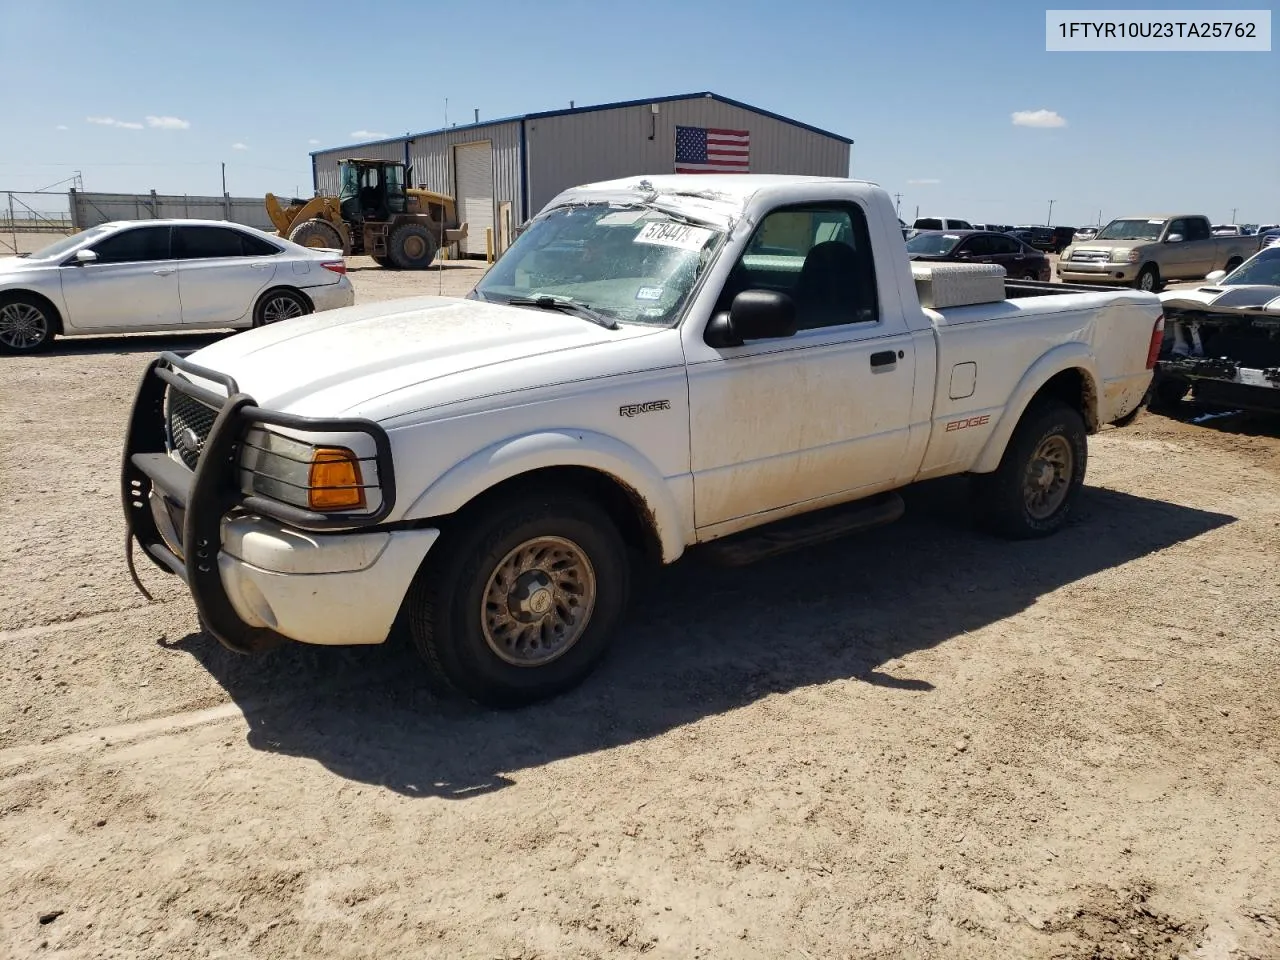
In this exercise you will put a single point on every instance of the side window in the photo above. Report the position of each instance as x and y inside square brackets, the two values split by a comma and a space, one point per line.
[1004, 245]
[1197, 229]
[959, 225]
[928, 224]
[978, 246]
[204, 243]
[134, 245]
[257, 246]
[820, 256]
[1178, 226]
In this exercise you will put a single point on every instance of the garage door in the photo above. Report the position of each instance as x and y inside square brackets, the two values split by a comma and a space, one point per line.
[473, 171]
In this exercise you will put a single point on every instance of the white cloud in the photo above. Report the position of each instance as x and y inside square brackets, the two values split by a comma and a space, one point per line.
[367, 134]
[314, 142]
[61, 126]
[924, 180]
[1038, 118]
[167, 123]
[113, 122]
[239, 146]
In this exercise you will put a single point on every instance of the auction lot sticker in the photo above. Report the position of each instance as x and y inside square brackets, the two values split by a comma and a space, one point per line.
[665, 233]
[1118, 31]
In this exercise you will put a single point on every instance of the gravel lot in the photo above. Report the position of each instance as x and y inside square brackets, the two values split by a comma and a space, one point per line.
[918, 743]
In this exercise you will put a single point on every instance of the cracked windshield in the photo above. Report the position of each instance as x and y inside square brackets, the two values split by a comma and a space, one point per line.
[628, 264]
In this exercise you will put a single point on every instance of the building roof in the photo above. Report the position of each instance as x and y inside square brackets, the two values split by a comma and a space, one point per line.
[706, 94]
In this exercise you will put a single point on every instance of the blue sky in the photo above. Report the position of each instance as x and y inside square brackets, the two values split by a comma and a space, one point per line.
[927, 90]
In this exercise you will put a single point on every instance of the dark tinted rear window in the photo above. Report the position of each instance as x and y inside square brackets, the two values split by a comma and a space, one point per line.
[202, 243]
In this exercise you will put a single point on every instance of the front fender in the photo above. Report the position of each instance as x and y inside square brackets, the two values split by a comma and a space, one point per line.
[561, 448]
[1067, 356]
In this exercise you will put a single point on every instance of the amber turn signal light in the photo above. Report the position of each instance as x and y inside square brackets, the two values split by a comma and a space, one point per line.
[335, 480]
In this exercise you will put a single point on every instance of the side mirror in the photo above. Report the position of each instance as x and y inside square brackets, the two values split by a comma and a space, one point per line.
[1173, 238]
[86, 256]
[753, 315]
[1215, 276]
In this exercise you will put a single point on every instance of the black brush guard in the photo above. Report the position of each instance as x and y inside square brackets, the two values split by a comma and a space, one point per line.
[197, 501]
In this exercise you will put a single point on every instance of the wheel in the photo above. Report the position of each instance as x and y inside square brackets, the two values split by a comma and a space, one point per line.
[1032, 275]
[277, 305]
[412, 247]
[1032, 491]
[383, 262]
[1148, 279]
[1233, 263]
[522, 601]
[27, 323]
[316, 234]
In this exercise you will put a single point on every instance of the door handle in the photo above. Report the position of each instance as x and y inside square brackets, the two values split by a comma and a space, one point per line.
[164, 271]
[884, 358]
[258, 266]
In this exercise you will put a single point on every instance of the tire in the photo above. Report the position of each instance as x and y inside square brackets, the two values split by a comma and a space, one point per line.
[481, 657]
[1031, 275]
[27, 323]
[1050, 432]
[412, 247]
[316, 234]
[276, 305]
[1233, 263]
[1148, 279]
[383, 262]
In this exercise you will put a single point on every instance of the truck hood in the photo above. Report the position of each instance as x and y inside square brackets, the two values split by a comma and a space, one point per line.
[1237, 295]
[352, 361]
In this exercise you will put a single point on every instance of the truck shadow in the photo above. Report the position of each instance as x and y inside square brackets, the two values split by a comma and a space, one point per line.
[700, 641]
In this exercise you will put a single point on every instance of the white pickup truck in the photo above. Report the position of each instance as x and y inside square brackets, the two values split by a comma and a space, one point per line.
[737, 364]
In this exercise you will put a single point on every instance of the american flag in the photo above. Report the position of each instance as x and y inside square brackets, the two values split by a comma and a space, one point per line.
[707, 150]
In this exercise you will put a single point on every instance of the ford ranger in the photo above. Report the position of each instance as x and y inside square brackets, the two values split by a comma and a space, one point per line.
[738, 365]
[1144, 252]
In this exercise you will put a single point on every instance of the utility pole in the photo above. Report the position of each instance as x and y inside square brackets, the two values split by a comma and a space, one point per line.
[224, 179]
[1049, 222]
[917, 211]
[1233, 214]
[1099, 220]
[897, 207]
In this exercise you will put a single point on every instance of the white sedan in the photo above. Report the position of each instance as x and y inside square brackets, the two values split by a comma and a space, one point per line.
[154, 275]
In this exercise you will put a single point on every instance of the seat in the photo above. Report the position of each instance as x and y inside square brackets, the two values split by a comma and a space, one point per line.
[833, 287]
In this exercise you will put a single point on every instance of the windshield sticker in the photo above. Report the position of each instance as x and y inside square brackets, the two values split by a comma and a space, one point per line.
[665, 233]
[649, 293]
[621, 217]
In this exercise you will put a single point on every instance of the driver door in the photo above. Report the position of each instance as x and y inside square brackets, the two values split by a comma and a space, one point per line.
[132, 285]
[818, 415]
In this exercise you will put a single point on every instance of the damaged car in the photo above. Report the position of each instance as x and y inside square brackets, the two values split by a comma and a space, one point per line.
[1222, 340]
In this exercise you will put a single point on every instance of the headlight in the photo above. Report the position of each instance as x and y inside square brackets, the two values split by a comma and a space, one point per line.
[1124, 256]
[317, 477]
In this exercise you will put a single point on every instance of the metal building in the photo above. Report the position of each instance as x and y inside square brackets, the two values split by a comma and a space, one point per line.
[504, 171]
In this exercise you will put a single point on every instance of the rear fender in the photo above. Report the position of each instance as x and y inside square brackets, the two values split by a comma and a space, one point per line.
[514, 456]
[1067, 356]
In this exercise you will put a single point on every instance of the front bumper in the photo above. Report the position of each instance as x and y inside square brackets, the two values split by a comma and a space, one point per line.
[331, 296]
[260, 571]
[1071, 271]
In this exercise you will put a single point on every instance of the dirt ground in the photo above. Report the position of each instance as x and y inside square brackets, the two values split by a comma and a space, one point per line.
[917, 743]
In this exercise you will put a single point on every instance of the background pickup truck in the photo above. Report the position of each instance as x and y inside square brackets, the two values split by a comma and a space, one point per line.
[1144, 252]
[737, 364]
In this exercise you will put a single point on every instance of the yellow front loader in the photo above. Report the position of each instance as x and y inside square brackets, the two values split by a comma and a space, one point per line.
[375, 214]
